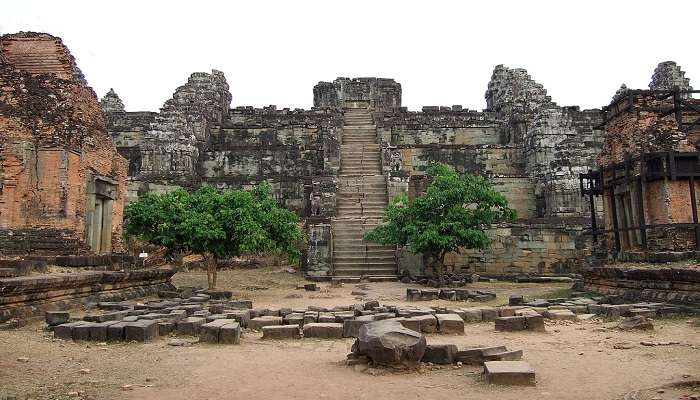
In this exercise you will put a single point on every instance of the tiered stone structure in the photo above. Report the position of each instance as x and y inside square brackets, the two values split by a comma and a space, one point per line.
[62, 182]
[339, 163]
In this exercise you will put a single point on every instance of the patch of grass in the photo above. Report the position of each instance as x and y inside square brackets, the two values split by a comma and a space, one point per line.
[557, 293]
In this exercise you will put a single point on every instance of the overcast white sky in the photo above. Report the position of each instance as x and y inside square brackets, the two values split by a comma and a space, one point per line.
[442, 52]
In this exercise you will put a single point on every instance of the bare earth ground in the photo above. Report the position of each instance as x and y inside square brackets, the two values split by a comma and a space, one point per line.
[573, 361]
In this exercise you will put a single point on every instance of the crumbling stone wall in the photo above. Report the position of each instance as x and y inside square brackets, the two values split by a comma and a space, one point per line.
[57, 162]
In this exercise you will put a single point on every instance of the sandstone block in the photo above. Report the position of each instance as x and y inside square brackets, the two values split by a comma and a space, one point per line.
[141, 331]
[190, 326]
[98, 332]
[440, 354]
[506, 312]
[164, 328]
[450, 323]
[115, 333]
[534, 322]
[230, 333]
[82, 331]
[54, 318]
[472, 315]
[294, 319]
[476, 356]
[489, 314]
[281, 332]
[260, 322]
[241, 316]
[209, 332]
[428, 323]
[518, 373]
[351, 327]
[388, 343]
[323, 330]
[510, 324]
[65, 331]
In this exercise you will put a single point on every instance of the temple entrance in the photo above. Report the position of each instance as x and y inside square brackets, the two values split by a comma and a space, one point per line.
[99, 215]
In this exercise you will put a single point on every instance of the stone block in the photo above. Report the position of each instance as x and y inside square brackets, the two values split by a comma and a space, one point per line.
[65, 331]
[440, 354]
[216, 308]
[141, 331]
[450, 324]
[164, 328]
[189, 326]
[115, 333]
[240, 304]
[429, 294]
[82, 331]
[230, 333]
[515, 300]
[510, 324]
[54, 318]
[413, 294]
[209, 332]
[561, 315]
[489, 314]
[310, 317]
[323, 330]
[472, 315]
[351, 327]
[326, 317]
[506, 312]
[294, 319]
[428, 323]
[281, 332]
[448, 294]
[98, 332]
[260, 322]
[476, 356]
[534, 322]
[644, 312]
[517, 373]
[241, 316]
[513, 355]
[342, 316]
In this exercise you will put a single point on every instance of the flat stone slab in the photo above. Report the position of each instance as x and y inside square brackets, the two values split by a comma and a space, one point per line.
[54, 318]
[281, 332]
[209, 332]
[323, 330]
[190, 326]
[141, 331]
[440, 354]
[450, 323]
[516, 373]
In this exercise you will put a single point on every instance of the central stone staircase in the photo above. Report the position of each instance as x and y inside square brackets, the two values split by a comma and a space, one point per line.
[361, 199]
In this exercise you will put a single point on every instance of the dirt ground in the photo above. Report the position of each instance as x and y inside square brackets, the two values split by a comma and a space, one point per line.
[583, 360]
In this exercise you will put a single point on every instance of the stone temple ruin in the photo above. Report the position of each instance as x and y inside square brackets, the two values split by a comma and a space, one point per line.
[585, 183]
[340, 162]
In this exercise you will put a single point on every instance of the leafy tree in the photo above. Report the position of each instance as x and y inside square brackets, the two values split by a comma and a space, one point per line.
[216, 224]
[453, 214]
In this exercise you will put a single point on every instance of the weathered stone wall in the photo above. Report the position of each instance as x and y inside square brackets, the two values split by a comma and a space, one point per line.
[57, 161]
[30, 296]
[673, 285]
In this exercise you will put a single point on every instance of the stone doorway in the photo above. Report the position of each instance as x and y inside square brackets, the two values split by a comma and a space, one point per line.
[100, 200]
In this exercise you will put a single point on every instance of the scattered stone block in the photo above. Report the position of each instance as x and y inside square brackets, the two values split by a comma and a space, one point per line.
[506, 312]
[476, 356]
[389, 343]
[638, 323]
[323, 330]
[209, 332]
[450, 323]
[516, 373]
[351, 327]
[190, 326]
[65, 331]
[326, 317]
[513, 355]
[644, 312]
[281, 332]
[310, 317]
[115, 332]
[54, 318]
[98, 331]
[428, 323]
[141, 331]
[81, 331]
[489, 314]
[510, 324]
[294, 319]
[472, 315]
[534, 322]
[240, 304]
[561, 315]
[515, 300]
[164, 328]
[440, 354]
[413, 294]
[260, 322]
[241, 316]
[448, 294]
[230, 333]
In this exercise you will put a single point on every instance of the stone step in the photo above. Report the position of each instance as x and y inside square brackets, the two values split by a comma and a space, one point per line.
[369, 253]
[340, 260]
[371, 278]
[341, 246]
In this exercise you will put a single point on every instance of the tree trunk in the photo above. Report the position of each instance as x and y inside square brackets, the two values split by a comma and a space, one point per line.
[211, 264]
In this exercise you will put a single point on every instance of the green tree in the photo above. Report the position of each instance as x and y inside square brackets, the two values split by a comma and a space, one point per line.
[453, 214]
[216, 224]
